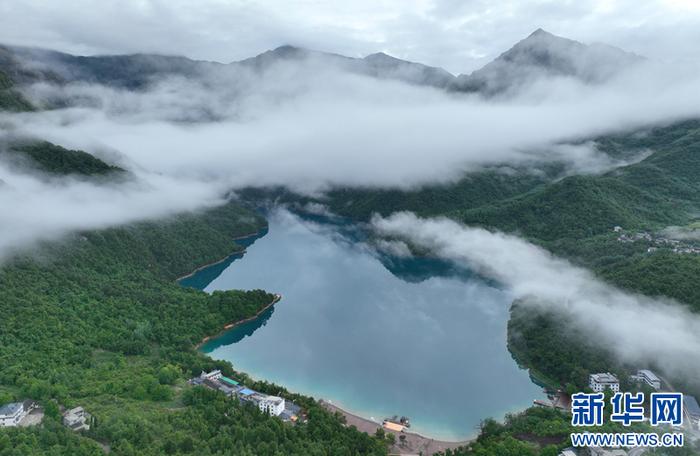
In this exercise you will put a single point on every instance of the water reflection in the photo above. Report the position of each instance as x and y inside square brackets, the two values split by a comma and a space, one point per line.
[430, 345]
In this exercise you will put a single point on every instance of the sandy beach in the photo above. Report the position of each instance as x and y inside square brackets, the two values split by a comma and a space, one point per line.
[412, 444]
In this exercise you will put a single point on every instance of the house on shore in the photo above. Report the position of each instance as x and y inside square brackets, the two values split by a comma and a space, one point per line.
[273, 405]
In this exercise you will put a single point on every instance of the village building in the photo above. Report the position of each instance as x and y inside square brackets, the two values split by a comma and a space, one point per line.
[690, 404]
[11, 414]
[568, 452]
[274, 405]
[599, 382]
[77, 419]
[597, 451]
[648, 377]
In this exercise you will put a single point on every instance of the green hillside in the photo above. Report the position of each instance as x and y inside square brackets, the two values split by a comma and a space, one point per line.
[99, 321]
[11, 99]
[53, 159]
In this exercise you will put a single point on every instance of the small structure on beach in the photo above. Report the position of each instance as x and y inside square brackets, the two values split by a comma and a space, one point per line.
[391, 426]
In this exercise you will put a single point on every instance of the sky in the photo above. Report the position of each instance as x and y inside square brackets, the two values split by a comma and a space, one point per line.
[459, 35]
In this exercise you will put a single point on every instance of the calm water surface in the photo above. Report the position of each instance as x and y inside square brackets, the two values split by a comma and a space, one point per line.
[427, 341]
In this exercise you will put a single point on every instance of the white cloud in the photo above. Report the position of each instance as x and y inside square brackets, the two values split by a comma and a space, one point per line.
[309, 126]
[36, 210]
[637, 328]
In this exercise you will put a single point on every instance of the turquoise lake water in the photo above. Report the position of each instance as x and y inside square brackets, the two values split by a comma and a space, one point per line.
[427, 340]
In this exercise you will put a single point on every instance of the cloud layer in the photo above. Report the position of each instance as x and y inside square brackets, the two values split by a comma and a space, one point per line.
[637, 328]
[311, 126]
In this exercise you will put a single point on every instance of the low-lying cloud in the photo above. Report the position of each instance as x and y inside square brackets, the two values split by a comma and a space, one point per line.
[35, 209]
[638, 329]
[311, 126]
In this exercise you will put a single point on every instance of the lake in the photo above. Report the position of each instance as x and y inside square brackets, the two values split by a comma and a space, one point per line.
[427, 340]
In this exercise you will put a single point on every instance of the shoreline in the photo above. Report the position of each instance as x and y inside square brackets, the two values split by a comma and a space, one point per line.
[414, 443]
[214, 263]
[277, 298]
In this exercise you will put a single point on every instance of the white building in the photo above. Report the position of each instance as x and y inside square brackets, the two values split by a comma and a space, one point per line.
[568, 452]
[11, 414]
[77, 419]
[597, 451]
[599, 382]
[213, 375]
[648, 377]
[273, 405]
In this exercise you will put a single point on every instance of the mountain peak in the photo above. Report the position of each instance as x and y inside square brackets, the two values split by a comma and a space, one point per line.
[540, 32]
[543, 55]
[380, 55]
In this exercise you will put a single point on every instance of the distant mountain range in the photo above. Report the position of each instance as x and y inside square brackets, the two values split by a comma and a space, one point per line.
[539, 55]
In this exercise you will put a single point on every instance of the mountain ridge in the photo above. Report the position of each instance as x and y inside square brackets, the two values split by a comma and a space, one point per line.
[540, 55]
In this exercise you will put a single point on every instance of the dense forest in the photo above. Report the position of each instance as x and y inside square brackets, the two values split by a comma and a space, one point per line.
[97, 320]
[10, 98]
[56, 160]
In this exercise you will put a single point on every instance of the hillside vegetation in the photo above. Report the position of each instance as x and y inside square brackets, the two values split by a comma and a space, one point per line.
[99, 321]
[53, 159]
[11, 99]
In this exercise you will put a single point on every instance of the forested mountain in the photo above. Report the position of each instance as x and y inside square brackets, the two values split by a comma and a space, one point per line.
[11, 99]
[137, 71]
[542, 55]
[55, 160]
